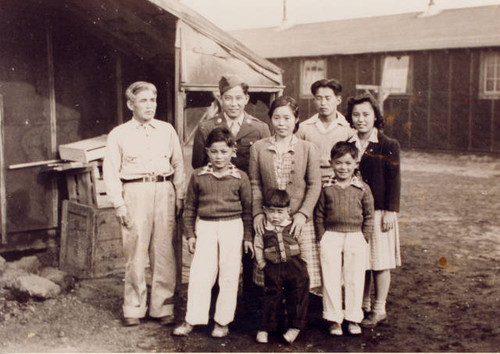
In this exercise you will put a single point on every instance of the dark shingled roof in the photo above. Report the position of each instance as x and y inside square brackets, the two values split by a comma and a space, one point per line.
[453, 28]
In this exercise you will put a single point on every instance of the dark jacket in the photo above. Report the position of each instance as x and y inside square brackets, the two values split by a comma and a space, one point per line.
[380, 169]
[252, 129]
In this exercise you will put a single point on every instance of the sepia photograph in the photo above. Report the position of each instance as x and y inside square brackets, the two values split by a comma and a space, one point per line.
[249, 176]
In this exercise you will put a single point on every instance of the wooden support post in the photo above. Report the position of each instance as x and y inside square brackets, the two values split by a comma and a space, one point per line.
[471, 92]
[3, 196]
[53, 124]
[429, 96]
[119, 90]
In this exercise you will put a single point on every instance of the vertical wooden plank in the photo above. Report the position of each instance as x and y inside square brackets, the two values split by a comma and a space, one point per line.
[471, 92]
[429, 96]
[53, 122]
[119, 90]
[492, 125]
[3, 189]
[449, 101]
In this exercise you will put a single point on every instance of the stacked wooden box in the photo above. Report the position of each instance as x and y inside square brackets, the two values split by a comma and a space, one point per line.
[91, 243]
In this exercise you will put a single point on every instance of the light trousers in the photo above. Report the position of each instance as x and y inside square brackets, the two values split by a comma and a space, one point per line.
[218, 251]
[343, 255]
[151, 209]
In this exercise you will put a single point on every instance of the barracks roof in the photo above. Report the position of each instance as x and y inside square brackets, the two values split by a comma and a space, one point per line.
[452, 28]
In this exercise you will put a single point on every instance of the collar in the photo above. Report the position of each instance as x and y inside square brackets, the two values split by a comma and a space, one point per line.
[373, 138]
[278, 228]
[238, 120]
[231, 171]
[291, 148]
[339, 120]
[136, 124]
[355, 182]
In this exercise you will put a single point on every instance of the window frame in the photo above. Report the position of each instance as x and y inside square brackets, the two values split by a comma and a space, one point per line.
[483, 93]
[409, 77]
[307, 94]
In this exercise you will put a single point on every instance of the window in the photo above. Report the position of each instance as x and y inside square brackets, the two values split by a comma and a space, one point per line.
[311, 71]
[490, 75]
[395, 75]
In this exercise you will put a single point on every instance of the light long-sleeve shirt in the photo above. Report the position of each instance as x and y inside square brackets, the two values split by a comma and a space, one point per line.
[136, 150]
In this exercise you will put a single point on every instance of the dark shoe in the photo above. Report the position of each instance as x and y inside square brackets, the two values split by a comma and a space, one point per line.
[167, 320]
[129, 321]
[373, 319]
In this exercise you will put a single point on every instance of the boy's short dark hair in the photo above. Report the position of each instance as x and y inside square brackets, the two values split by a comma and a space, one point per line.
[333, 84]
[343, 148]
[276, 198]
[219, 134]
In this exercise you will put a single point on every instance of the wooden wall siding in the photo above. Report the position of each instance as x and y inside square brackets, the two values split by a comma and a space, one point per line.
[442, 110]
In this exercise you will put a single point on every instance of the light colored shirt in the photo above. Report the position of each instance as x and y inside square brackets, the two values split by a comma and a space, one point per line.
[314, 131]
[136, 150]
[283, 162]
[373, 138]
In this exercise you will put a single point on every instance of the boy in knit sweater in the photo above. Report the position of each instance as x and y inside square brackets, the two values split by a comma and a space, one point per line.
[217, 218]
[344, 222]
[277, 252]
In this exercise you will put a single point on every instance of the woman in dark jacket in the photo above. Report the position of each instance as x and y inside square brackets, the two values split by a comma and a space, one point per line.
[380, 168]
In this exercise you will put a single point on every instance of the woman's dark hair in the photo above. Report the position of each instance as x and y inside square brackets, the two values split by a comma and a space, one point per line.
[276, 198]
[365, 97]
[332, 84]
[219, 134]
[343, 148]
[286, 101]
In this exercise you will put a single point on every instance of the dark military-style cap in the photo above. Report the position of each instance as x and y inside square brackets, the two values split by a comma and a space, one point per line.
[228, 81]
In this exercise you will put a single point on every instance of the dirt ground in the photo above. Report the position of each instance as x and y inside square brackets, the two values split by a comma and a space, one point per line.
[445, 297]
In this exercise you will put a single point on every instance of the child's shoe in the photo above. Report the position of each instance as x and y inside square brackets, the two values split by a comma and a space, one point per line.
[336, 329]
[183, 330]
[262, 337]
[220, 331]
[373, 319]
[354, 328]
[291, 335]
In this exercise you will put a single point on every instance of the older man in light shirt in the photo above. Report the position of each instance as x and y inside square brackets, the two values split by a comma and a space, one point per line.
[144, 176]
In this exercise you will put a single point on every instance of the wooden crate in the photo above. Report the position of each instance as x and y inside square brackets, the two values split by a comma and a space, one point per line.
[91, 242]
[86, 186]
[84, 150]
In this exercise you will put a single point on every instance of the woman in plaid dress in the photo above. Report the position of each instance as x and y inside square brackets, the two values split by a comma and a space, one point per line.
[285, 162]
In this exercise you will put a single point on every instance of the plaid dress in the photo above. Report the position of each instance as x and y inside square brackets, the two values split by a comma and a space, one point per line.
[309, 251]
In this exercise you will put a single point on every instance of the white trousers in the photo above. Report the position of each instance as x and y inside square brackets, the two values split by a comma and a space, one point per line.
[151, 208]
[218, 251]
[343, 255]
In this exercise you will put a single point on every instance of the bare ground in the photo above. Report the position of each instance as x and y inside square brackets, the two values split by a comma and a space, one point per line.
[445, 297]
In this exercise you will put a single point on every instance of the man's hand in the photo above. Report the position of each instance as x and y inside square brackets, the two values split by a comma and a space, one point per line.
[258, 224]
[248, 248]
[299, 220]
[192, 244]
[122, 216]
[179, 207]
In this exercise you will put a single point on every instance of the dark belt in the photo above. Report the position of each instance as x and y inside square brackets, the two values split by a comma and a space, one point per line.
[158, 178]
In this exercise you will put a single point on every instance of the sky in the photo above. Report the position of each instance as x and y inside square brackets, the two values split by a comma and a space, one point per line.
[241, 14]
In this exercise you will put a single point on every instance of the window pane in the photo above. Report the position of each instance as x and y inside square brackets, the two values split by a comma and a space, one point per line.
[312, 70]
[489, 85]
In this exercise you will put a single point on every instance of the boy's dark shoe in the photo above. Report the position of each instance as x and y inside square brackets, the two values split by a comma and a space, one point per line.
[129, 321]
[167, 320]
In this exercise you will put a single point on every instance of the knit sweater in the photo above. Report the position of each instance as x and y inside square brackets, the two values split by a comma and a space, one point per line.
[348, 209]
[218, 198]
[304, 185]
[276, 245]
